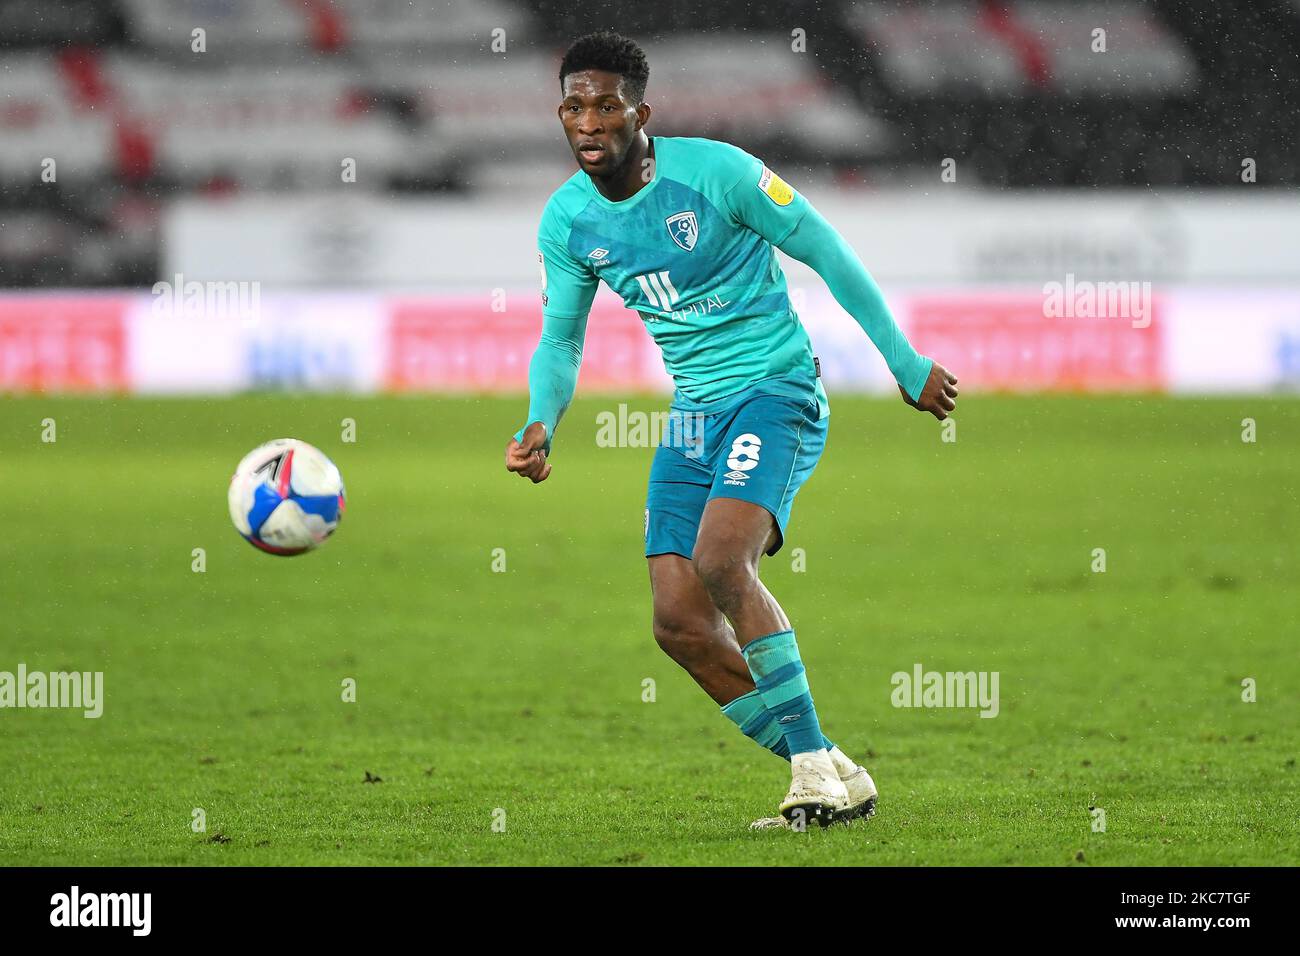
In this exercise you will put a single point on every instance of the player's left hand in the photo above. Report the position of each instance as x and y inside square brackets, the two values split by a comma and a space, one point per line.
[528, 457]
[939, 396]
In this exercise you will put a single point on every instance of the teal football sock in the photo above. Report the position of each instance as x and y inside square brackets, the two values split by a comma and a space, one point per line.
[781, 682]
[749, 714]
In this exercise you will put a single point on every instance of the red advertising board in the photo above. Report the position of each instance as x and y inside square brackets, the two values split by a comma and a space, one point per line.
[63, 344]
[461, 343]
[1011, 342]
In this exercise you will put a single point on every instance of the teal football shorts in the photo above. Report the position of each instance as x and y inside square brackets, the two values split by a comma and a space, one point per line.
[760, 450]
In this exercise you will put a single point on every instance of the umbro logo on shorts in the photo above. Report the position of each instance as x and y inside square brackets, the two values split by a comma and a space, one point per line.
[735, 478]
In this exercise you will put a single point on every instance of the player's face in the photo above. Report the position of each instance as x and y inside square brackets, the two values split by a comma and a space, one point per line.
[599, 122]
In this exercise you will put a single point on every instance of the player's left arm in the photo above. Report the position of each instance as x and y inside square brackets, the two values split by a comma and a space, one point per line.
[773, 209]
[924, 383]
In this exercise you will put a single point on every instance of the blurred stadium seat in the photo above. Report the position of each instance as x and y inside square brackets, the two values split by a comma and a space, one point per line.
[422, 100]
[1007, 50]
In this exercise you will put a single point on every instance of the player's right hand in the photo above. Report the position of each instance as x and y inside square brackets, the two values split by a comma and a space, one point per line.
[527, 458]
[939, 396]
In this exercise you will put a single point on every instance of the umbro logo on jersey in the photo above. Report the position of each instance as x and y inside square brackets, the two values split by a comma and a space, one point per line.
[598, 254]
[684, 229]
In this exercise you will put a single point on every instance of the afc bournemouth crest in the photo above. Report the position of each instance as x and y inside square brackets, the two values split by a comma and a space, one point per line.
[684, 229]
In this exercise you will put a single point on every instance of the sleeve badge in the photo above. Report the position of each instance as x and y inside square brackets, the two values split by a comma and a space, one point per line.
[776, 188]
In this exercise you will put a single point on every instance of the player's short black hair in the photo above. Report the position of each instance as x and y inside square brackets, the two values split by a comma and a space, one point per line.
[608, 51]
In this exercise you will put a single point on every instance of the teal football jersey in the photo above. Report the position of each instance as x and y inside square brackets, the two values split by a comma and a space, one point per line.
[692, 253]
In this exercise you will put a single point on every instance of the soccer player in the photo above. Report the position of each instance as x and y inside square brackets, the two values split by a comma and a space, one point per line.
[685, 230]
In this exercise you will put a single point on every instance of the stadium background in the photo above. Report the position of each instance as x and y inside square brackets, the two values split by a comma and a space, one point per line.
[355, 189]
[373, 173]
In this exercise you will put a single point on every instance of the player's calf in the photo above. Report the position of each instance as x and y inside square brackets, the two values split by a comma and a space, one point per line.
[733, 535]
[693, 632]
[708, 652]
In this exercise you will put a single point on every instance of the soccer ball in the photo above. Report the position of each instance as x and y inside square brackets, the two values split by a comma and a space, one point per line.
[286, 497]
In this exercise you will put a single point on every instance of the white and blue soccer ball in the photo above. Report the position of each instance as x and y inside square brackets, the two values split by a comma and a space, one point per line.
[286, 497]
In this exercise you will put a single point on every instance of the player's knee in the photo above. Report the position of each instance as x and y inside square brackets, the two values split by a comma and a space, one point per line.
[725, 573]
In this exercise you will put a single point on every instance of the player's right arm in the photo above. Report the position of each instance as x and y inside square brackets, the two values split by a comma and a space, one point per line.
[568, 288]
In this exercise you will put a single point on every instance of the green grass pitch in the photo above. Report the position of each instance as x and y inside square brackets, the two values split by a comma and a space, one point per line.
[515, 697]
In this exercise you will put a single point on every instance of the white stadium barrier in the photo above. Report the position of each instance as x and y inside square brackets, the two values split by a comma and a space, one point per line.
[944, 235]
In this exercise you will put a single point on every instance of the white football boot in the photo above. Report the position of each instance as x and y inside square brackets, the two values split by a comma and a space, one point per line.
[861, 788]
[816, 792]
[858, 785]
